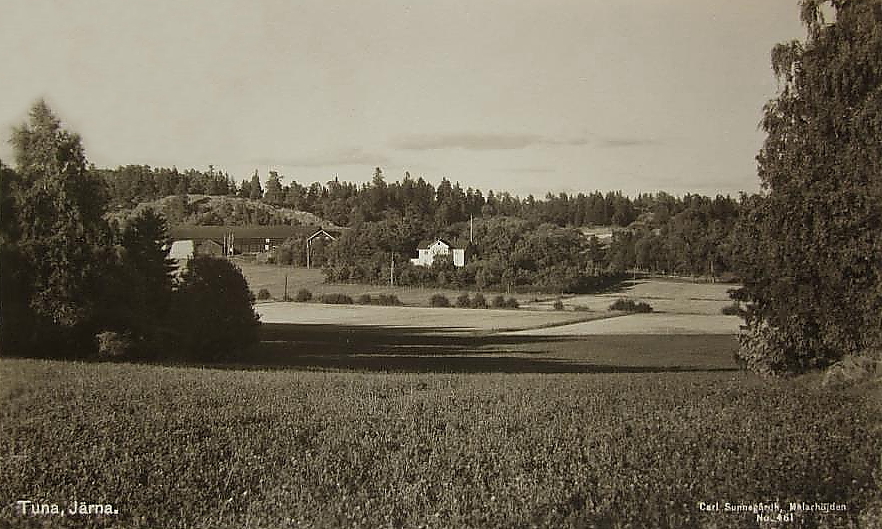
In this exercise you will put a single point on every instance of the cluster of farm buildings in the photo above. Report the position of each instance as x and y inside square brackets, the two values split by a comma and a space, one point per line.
[188, 241]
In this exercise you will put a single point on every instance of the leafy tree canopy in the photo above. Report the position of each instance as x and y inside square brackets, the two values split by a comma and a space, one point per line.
[809, 247]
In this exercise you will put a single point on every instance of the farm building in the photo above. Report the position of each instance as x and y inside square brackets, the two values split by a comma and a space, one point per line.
[181, 252]
[209, 247]
[426, 256]
[321, 235]
[241, 239]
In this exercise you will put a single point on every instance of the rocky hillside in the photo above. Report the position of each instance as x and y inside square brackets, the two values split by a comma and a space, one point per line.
[205, 210]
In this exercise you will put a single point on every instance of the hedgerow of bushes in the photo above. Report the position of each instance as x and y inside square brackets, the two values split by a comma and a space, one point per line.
[478, 301]
[439, 300]
[303, 295]
[336, 299]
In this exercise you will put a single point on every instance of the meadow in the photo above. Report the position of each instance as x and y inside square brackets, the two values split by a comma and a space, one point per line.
[350, 416]
[627, 431]
[272, 278]
[447, 318]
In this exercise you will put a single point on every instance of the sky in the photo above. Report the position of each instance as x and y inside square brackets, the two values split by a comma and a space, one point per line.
[522, 96]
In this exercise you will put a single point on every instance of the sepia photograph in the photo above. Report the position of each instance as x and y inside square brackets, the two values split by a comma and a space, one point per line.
[441, 264]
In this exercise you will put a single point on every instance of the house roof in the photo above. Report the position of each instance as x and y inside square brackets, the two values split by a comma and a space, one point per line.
[321, 232]
[425, 243]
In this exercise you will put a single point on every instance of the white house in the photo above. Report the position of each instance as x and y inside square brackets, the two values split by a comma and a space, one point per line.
[439, 247]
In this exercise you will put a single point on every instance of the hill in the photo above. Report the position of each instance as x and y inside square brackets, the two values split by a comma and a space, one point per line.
[218, 210]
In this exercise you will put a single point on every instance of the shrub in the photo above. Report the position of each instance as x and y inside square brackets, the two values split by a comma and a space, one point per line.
[512, 303]
[303, 295]
[213, 310]
[113, 344]
[852, 369]
[388, 300]
[336, 299]
[263, 294]
[439, 300]
[558, 305]
[732, 310]
[498, 302]
[478, 302]
[463, 301]
[629, 305]
[365, 299]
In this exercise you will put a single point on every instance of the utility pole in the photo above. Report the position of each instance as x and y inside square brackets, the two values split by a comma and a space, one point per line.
[285, 297]
[307, 254]
[471, 228]
[392, 271]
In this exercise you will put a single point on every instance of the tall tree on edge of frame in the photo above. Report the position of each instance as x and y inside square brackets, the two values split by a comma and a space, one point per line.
[810, 247]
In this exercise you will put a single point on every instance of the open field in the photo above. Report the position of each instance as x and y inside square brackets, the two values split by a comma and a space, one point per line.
[184, 447]
[438, 318]
[664, 295]
[652, 323]
[272, 278]
[444, 350]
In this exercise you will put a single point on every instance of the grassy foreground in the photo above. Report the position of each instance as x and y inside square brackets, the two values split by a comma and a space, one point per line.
[185, 447]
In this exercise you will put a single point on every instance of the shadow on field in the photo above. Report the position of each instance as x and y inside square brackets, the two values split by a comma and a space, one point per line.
[420, 349]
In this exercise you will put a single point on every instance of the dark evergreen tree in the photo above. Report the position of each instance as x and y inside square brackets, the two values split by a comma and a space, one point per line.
[61, 235]
[255, 191]
[273, 194]
[213, 311]
[147, 280]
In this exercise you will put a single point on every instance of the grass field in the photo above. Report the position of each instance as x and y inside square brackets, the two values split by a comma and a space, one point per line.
[424, 349]
[664, 295]
[653, 323]
[272, 278]
[189, 447]
[446, 318]
[350, 416]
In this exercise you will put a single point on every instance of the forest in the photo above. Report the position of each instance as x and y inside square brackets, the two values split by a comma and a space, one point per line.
[513, 243]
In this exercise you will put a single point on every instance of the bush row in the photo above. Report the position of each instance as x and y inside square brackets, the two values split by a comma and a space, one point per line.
[304, 295]
[629, 305]
[463, 301]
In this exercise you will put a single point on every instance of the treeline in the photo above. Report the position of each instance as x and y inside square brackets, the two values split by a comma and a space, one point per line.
[73, 285]
[507, 254]
[698, 240]
[348, 203]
